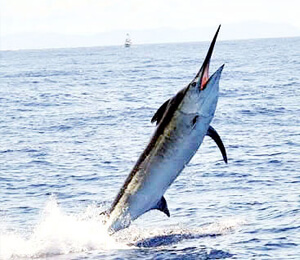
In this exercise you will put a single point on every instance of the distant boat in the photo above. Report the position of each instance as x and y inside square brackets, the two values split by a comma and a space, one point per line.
[128, 41]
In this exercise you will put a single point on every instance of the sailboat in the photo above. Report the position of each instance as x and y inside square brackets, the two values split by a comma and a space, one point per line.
[127, 41]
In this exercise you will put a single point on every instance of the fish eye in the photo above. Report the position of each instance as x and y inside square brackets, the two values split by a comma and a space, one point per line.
[193, 84]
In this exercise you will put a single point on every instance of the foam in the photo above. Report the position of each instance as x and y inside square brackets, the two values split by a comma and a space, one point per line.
[58, 233]
[144, 237]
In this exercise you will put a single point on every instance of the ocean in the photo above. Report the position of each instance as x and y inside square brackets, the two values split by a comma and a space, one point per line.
[74, 121]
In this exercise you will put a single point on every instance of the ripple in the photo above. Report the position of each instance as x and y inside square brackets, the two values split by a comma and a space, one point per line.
[74, 122]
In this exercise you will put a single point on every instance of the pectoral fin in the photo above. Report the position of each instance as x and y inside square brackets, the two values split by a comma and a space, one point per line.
[162, 206]
[215, 136]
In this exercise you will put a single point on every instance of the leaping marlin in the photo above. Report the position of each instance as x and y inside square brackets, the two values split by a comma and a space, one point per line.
[182, 122]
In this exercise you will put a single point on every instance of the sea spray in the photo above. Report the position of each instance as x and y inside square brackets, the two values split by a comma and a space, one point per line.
[58, 233]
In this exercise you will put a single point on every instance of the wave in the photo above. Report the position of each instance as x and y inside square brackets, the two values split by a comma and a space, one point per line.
[59, 233]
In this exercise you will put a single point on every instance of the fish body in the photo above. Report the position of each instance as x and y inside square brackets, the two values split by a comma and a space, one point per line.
[182, 123]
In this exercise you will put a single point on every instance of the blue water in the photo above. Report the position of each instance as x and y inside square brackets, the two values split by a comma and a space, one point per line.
[74, 121]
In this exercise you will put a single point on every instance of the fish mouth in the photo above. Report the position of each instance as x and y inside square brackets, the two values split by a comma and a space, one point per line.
[203, 73]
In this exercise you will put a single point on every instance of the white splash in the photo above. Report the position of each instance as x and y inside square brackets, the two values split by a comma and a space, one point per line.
[59, 233]
[135, 234]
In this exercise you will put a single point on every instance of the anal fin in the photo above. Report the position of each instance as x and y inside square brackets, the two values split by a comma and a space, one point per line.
[162, 206]
[211, 132]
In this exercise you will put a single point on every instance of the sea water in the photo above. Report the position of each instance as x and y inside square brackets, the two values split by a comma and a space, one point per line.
[74, 121]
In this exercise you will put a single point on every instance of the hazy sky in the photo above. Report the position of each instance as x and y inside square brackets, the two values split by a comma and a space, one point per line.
[88, 17]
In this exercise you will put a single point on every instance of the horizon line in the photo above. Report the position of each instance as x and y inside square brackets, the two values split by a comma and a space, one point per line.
[141, 43]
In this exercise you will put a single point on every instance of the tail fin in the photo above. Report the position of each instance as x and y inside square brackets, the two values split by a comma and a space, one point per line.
[105, 215]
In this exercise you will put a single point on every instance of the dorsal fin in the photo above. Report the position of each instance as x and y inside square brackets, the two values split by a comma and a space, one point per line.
[160, 112]
[211, 132]
[169, 106]
[162, 206]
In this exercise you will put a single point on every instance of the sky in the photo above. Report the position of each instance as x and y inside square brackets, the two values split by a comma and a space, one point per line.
[74, 23]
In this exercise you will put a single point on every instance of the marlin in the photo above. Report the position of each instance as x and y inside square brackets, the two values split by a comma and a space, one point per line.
[182, 123]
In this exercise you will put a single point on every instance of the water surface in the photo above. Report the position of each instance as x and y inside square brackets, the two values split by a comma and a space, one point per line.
[74, 121]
